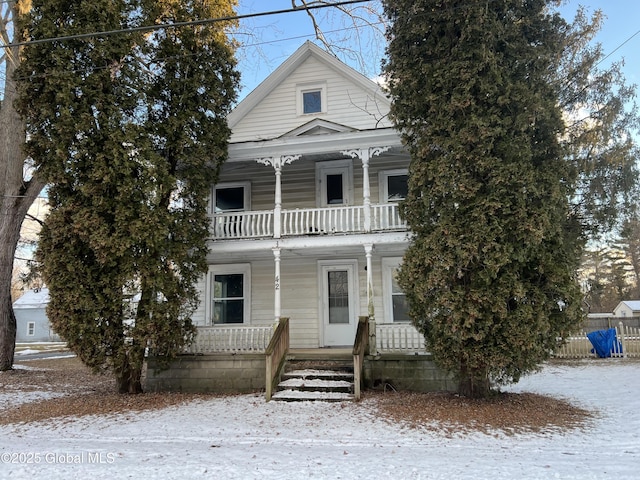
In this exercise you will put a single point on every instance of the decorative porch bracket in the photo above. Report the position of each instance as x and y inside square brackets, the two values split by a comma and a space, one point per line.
[365, 155]
[277, 163]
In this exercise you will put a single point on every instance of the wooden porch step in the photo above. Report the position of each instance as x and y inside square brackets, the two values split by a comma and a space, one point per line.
[311, 396]
[322, 381]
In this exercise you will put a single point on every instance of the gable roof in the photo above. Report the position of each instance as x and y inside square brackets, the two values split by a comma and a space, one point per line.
[308, 49]
[36, 298]
[633, 305]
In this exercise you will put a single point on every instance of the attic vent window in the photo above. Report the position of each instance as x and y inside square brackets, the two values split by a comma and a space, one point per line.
[311, 98]
[312, 101]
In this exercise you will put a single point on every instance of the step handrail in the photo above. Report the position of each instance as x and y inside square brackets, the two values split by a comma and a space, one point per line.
[275, 356]
[360, 348]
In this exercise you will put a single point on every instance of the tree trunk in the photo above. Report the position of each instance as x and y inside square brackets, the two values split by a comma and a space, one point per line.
[129, 374]
[7, 329]
[12, 213]
[474, 383]
[17, 193]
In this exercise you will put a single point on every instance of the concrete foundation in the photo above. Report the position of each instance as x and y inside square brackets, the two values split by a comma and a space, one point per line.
[245, 373]
[415, 373]
[215, 373]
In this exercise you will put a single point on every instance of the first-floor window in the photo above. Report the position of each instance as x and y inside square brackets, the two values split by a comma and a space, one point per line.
[395, 300]
[228, 298]
[229, 294]
[400, 308]
[31, 329]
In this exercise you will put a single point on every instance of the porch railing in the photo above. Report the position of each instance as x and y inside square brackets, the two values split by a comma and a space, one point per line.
[253, 224]
[360, 349]
[276, 355]
[386, 216]
[399, 338]
[306, 221]
[309, 221]
[231, 339]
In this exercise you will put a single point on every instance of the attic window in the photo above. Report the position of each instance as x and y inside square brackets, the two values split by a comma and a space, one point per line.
[311, 99]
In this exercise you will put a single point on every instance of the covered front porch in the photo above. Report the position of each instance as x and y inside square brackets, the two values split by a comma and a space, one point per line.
[244, 359]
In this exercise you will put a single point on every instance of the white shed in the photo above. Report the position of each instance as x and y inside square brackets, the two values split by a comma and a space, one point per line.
[31, 317]
[627, 308]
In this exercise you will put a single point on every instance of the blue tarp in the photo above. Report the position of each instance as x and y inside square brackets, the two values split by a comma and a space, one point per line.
[604, 342]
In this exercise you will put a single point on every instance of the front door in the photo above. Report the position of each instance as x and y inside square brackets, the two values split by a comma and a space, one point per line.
[339, 303]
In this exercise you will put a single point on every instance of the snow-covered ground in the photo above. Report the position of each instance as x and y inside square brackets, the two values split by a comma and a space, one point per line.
[245, 438]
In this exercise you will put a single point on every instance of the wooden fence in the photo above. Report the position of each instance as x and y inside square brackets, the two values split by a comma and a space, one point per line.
[579, 346]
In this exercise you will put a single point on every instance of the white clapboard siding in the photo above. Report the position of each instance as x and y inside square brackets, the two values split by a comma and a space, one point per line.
[198, 317]
[300, 302]
[347, 104]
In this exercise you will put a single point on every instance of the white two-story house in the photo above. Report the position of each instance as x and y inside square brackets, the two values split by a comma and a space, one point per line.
[304, 218]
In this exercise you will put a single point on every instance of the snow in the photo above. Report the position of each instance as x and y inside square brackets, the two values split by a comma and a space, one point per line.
[27, 351]
[243, 437]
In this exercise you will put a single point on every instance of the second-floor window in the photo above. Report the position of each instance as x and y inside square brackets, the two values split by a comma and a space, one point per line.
[231, 197]
[334, 183]
[393, 185]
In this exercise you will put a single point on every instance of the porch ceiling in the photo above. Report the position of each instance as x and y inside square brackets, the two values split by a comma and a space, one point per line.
[316, 147]
[336, 246]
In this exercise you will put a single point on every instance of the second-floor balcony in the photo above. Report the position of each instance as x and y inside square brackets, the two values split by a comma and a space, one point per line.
[307, 221]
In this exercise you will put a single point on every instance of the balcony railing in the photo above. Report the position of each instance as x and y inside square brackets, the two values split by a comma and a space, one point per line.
[307, 221]
[243, 224]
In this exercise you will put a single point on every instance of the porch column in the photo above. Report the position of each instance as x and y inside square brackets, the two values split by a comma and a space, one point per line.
[368, 251]
[277, 163]
[276, 285]
[365, 154]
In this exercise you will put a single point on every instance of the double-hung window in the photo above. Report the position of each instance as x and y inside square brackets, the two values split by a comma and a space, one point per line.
[229, 294]
[395, 300]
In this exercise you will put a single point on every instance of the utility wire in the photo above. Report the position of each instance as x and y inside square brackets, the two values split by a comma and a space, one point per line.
[163, 26]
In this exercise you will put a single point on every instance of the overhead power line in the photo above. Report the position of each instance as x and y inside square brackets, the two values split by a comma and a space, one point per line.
[162, 26]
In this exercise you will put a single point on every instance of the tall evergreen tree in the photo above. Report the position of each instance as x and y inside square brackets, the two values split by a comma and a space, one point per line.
[129, 130]
[490, 273]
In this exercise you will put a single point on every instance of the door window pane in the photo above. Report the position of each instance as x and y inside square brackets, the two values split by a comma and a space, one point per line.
[335, 193]
[228, 298]
[338, 286]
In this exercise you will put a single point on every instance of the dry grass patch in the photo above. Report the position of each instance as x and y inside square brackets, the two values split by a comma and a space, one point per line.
[83, 393]
[507, 413]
